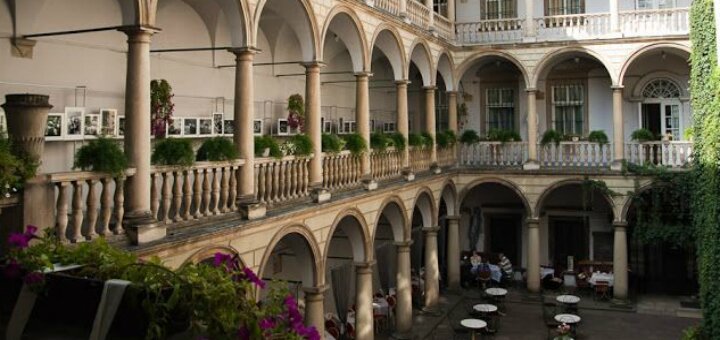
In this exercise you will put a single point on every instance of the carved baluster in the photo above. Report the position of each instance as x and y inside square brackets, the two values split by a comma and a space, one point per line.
[187, 195]
[154, 197]
[224, 190]
[92, 210]
[106, 206]
[215, 209]
[206, 193]
[306, 176]
[77, 213]
[293, 180]
[166, 196]
[283, 182]
[119, 205]
[269, 173]
[197, 193]
[178, 195]
[62, 211]
[234, 170]
[273, 198]
[261, 182]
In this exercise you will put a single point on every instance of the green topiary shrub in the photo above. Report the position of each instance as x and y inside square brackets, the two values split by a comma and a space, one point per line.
[469, 137]
[380, 141]
[643, 135]
[102, 155]
[303, 145]
[217, 149]
[428, 140]
[551, 136]
[331, 143]
[173, 151]
[266, 142]
[446, 139]
[504, 136]
[398, 141]
[416, 140]
[355, 143]
[598, 136]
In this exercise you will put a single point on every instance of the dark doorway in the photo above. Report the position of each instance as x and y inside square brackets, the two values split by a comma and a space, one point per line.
[504, 235]
[651, 118]
[569, 237]
[668, 271]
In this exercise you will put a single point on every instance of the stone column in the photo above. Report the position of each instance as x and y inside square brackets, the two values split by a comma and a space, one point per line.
[452, 111]
[363, 301]
[532, 162]
[614, 16]
[533, 261]
[530, 30]
[314, 130]
[620, 260]
[431, 19]
[432, 272]
[618, 133]
[453, 252]
[430, 122]
[402, 10]
[362, 117]
[244, 114]
[314, 308]
[451, 10]
[402, 122]
[403, 311]
[140, 225]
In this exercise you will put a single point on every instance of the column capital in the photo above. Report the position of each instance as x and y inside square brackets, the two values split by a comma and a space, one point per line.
[402, 82]
[620, 224]
[533, 222]
[617, 87]
[313, 64]
[318, 290]
[364, 267]
[431, 230]
[531, 89]
[139, 30]
[452, 93]
[452, 217]
[238, 51]
[363, 74]
[401, 244]
[430, 88]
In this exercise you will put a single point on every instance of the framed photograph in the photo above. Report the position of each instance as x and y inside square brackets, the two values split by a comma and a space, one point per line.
[121, 125]
[327, 126]
[218, 123]
[74, 120]
[175, 129]
[108, 119]
[206, 127]
[283, 128]
[228, 127]
[54, 128]
[92, 125]
[257, 127]
[190, 126]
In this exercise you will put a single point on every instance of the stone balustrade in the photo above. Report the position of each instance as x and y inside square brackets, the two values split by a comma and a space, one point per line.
[390, 6]
[281, 180]
[490, 31]
[496, 154]
[575, 154]
[655, 22]
[447, 156]
[418, 13]
[574, 26]
[385, 164]
[341, 171]
[665, 153]
[444, 27]
[419, 159]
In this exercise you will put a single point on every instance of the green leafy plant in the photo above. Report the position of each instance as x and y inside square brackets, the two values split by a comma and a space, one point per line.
[217, 149]
[173, 151]
[303, 146]
[446, 139]
[643, 135]
[14, 171]
[688, 134]
[469, 137]
[103, 155]
[427, 140]
[504, 136]
[416, 140]
[380, 141]
[332, 143]
[355, 143]
[296, 112]
[263, 143]
[598, 136]
[398, 141]
[551, 136]
[161, 106]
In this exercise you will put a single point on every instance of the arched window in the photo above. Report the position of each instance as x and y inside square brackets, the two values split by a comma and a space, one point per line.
[661, 88]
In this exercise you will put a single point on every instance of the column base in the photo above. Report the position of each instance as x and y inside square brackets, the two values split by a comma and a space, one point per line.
[320, 195]
[408, 175]
[620, 303]
[435, 169]
[141, 228]
[402, 335]
[252, 210]
[616, 165]
[432, 311]
[370, 184]
[531, 164]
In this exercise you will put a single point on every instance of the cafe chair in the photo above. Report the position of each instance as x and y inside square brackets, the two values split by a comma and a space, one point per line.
[602, 288]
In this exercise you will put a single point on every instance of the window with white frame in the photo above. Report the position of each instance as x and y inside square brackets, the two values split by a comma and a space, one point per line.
[564, 7]
[655, 4]
[498, 9]
[568, 105]
[500, 103]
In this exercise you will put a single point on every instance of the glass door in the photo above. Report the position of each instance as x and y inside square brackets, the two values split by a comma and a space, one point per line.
[671, 121]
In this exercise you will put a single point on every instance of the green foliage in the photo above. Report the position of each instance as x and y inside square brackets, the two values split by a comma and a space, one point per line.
[102, 155]
[296, 104]
[598, 136]
[416, 140]
[551, 136]
[427, 140]
[704, 87]
[380, 141]
[161, 105]
[643, 135]
[13, 170]
[469, 137]
[504, 136]
[303, 146]
[446, 139]
[332, 143]
[267, 142]
[173, 151]
[398, 141]
[688, 133]
[217, 149]
[355, 143]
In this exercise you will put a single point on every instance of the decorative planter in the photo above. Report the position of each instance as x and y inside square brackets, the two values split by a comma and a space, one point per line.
[27, 120]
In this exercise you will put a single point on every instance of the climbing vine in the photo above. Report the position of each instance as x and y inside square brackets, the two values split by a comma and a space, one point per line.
[705, 87]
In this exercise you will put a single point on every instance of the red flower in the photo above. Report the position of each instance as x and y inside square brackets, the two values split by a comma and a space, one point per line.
[18, 240]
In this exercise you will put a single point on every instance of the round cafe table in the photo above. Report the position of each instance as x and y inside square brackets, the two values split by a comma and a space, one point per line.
[474, 325]
[569, 301]
[485, 308]
[497, 295]
[571, 320]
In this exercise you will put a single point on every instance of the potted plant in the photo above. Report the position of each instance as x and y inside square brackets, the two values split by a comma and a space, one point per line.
[355, 143]
[598, 136]
[217, 149]
[416, 140]
[14, 171]
[161, 106]
[427, 140]
[173, 151]
[446, 139]
[380, 141]
[398, 141]
[102, 155]
[503, 135]
[266, 146]
[332, 143]
[551, 136]
[302, 145]
[296, 112]
[469, 137]
[643, 135]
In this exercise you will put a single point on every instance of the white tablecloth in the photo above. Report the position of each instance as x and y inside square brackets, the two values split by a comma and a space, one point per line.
[545, 271]
[595, 277]
[328, 336]
[495, 273]
[381, 306]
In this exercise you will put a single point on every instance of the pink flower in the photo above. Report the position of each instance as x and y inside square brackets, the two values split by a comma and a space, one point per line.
[34, 278]
[250, 275]
[222, 260]
[31, 230]
[267, 323]
[18, 240]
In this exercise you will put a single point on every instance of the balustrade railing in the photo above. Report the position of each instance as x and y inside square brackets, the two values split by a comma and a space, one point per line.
[418, 13]
[490, 31]
[390, 6]
[281, 180]
[668, 153]
[419, 159]
[575, 154]
[385, 164]
[575, 26]
[655, 22]
[88, 204]
[444, 27]
[446, 156]
[341, 171]
[493, 154]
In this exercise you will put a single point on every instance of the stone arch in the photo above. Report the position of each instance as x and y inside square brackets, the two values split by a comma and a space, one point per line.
[420, 55]
[445, 68]
[299, 15]
[401, 230]
[470, 61]
[312, 276]
[505, 183]
[642, 83]
[551, 59]
[628, 201]
[359, 235]
[208, 251]
[450, 195]
[350, 30]
[679, 49]
[388, 40]
[561, 183]
[428, 208]
[230, 14]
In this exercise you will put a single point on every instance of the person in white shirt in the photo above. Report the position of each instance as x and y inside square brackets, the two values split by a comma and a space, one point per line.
[505, 265]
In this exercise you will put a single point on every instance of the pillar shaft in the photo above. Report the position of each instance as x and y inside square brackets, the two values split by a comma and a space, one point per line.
[452, 111]
[432, 272]
[137, 121]
[451, 10]
[529, 21]
[431, 19]
[453, 252]
[244, 114]
[403, 312]
[614, 16]
[402, 119]
[618, 134]
[363, 301]
[402, 8]
[532, 162]
[620, 260]
[314, 308]
[362, 116]
[430, 120]
[313, 128]
[533, 261]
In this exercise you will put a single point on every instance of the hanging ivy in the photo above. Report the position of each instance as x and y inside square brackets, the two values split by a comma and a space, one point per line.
[161, 105]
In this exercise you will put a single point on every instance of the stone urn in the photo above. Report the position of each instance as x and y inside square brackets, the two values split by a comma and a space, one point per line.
[26, 121]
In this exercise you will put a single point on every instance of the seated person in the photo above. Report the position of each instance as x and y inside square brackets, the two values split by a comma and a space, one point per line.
[475, 262]
[506, 266]
[551, 282]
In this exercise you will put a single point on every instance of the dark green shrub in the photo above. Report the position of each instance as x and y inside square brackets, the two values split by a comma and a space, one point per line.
[331, 143]
[551, 136]
[303, 145]
[643, 135]
[504, 136]
[14, 169]
[398, 141]
[416, 140]
[380, 141]
[173, 151]
[267, 142]
[355, 143]
[469, 137]
[446, 139]
[217, 149]
[102, 155]
[598, 136]
[428, 140]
